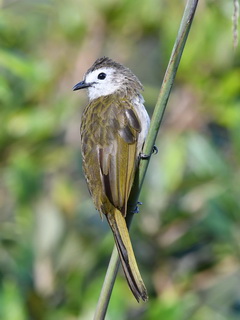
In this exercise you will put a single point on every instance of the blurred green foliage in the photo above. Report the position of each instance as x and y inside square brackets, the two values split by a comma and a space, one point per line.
[54, 249]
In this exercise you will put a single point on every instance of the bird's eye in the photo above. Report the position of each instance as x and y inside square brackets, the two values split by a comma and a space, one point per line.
[102, 76]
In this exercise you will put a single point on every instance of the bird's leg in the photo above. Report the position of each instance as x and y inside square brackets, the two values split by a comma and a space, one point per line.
[144, 156]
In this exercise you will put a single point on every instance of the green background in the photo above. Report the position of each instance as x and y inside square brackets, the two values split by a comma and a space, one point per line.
[54, 248]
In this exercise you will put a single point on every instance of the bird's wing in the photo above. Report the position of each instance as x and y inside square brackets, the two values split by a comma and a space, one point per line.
[118, 154]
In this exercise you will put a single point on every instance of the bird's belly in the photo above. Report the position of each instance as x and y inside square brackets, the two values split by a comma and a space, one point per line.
[144, 119]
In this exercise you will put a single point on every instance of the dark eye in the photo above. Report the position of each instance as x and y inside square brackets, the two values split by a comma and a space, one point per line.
[102, 76]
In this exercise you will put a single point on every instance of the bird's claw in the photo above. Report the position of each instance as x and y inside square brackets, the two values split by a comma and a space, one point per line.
[155, 150]
[144, 156]
[136, 209]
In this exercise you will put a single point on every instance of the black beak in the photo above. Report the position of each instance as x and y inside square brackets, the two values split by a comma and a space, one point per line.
[81, 85]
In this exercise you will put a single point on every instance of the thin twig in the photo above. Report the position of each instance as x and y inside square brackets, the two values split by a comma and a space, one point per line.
[108, 283]
[153, 131]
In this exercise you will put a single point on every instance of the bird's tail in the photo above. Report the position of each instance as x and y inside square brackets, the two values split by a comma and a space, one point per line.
[119, 228]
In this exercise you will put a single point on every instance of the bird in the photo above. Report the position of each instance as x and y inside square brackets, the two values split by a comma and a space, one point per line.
[113, 129]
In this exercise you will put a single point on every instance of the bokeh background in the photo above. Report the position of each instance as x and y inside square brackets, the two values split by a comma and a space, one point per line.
[54, 248]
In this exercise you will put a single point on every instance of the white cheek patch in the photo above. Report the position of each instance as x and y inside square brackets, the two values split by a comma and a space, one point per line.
[103, 87]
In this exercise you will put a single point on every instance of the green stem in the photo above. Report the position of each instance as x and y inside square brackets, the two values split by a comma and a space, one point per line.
[156, 120]
[107, 286]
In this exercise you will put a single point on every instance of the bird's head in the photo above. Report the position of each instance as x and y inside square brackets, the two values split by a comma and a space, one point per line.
[107, 77]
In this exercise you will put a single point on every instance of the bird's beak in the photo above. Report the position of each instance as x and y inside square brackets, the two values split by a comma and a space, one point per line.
[81, 85]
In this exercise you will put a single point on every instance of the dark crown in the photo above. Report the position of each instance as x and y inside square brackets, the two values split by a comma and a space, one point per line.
[107, 63]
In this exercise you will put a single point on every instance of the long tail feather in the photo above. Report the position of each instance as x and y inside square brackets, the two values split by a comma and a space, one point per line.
[119, 228]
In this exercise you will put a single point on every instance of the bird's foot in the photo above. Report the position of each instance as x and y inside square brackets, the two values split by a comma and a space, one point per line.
[144, 156]
[136, 209]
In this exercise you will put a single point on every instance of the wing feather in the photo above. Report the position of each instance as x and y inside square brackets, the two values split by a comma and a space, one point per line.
[118, 158]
